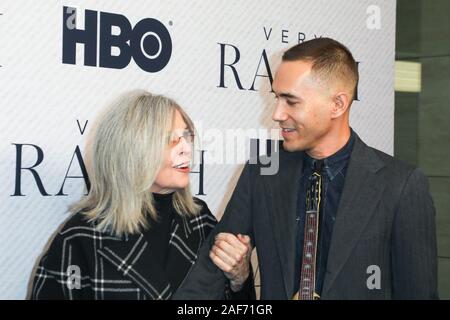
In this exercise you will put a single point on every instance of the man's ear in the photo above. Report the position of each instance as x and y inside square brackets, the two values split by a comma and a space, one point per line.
[341, 103]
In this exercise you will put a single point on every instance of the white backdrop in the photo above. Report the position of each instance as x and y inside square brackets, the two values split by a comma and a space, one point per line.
[46, 104]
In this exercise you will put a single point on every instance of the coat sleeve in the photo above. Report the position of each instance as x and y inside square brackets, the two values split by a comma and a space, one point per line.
[205, 280]
[54, 279]
[414, 252]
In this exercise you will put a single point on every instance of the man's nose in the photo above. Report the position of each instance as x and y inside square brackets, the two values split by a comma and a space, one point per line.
[279, 114]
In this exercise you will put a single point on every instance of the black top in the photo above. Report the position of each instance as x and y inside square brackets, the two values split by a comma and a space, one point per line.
[158, 234]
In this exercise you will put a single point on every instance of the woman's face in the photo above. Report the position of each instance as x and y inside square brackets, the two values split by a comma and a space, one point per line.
[174, 173]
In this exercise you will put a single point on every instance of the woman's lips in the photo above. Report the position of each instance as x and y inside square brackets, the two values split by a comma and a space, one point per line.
[182, 167]
[184, 170]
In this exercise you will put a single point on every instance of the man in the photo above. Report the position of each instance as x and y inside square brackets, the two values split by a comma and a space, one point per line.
[339, 220]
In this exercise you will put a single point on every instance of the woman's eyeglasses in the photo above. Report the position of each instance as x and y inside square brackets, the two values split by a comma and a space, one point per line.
[175, 137]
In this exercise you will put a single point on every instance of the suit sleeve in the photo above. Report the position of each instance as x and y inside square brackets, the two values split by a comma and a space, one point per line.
[205, 280]
[414, 252]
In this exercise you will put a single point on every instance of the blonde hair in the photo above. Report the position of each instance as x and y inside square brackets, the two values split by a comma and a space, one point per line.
[128, 147]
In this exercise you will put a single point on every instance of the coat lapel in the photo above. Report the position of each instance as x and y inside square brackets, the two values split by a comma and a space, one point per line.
[132, 257]
[282, 195]
[362, 191]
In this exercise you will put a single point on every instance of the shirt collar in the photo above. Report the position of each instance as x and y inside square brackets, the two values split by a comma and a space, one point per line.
[337, 161]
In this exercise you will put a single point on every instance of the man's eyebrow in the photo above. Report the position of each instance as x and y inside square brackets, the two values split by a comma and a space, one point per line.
[287, 95]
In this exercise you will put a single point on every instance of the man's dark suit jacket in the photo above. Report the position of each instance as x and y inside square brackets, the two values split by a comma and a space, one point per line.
[385, 218]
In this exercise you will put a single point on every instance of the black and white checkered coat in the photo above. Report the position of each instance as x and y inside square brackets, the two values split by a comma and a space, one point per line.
[116, 268]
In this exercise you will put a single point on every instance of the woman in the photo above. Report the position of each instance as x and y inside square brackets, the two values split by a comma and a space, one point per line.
[136, 235]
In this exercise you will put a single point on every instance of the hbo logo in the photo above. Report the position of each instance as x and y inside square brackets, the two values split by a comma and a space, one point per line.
[148, 43]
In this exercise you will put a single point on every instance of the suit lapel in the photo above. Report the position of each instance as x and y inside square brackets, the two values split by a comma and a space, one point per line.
[362, 191]
[282, 195]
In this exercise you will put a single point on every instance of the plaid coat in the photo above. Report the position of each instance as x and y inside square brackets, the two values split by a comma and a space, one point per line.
[83, 263]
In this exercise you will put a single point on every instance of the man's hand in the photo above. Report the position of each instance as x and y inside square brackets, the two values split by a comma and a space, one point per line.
[232, 255]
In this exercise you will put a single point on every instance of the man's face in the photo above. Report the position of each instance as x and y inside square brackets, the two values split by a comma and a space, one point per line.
[303, 106]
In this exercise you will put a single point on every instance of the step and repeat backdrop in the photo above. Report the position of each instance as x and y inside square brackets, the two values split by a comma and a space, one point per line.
[61, 62]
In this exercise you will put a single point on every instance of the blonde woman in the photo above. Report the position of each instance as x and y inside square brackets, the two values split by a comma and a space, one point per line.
[137, 233]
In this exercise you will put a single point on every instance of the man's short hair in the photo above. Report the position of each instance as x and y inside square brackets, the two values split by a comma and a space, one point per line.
[330, 60]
